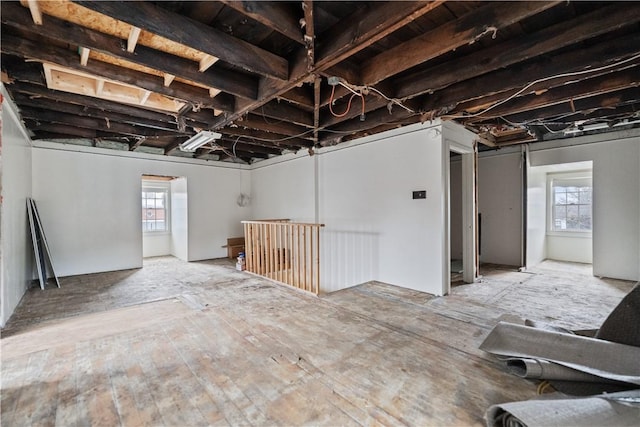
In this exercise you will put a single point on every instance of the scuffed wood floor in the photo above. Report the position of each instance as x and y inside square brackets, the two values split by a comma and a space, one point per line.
[186, 344]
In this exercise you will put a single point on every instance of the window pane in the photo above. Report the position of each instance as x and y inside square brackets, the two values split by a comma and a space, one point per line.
[585, 217]
[154, 210]
[560, 218]
[573, 197]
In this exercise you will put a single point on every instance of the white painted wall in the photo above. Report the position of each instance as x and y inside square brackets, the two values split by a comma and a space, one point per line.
[284, 189]
[158, 243]
[572, 248]
[90, 200]
[536, 216]
[616, 197]
[362, 192]
[179, 218]
[374, 229]
[500, 204]
[15, 241]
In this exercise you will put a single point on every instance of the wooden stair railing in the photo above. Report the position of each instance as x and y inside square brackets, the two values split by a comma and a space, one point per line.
[284, 251]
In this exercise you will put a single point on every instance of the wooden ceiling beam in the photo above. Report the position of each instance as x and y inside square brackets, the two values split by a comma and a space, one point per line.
[248, 146]
[513, 51]
[102, 124]
[309, 33]
[372, 103]
[346, 70]
[68, 131]
[299, 96]
[194, 34]
[316, 111]
[467, 29]
[59, 131]
[276, 15]
[606, 83]
[20, 71]
[253, 121]
[339, 93]
[267, 137]
[607, 101]
[350, 35]
[43, 134]
[224, 149]
[604, 113]
[520, 75]
[364, 28]
[26, 48]
[15, 16]
[286, 112]
[380, 117]
[37, 92]
[83, 111]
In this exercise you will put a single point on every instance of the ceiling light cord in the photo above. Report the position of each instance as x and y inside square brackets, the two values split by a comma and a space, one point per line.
[362, 90]
[392, 100]
[339, 115]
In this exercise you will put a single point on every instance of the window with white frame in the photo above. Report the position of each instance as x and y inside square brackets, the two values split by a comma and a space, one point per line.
[571, 202]
[155, 208]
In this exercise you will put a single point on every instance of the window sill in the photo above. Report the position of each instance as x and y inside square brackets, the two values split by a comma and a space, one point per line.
[571, 234]
[156, 233]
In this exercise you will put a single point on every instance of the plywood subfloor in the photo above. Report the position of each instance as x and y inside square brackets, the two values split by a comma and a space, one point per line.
[184, 344]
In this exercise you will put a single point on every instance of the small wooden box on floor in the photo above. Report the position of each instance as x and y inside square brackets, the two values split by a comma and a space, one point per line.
[234, 246]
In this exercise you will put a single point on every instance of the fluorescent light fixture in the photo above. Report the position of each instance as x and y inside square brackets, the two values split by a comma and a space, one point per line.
[578, 128]
[198, 140]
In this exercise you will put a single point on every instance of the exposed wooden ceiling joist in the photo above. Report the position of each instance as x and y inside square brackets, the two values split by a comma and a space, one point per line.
[257, 72]
[572, 64]
[362, 29]
[14, 15]
[486, 21]
[585, 105]
[502, 55]
[609, 82]
[83, 111]
[194, 34]
[102, 124]
[18, 46]
[275, 15]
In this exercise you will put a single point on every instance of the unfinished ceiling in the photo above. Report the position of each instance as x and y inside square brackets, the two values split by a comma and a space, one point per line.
[273, 77]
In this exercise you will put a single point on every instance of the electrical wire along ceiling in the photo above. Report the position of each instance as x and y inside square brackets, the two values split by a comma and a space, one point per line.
[265, 78]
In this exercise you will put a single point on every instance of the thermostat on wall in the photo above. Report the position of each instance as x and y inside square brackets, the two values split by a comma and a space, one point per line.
[422, 194]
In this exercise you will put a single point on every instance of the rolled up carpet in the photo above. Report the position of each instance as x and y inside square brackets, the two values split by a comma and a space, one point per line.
[623, 323]
[616, 409]
[613, 362]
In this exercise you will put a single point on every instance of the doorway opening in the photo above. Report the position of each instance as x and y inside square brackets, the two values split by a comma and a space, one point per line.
[460, 216]
[455, 222]
[164, 216]
[559, 213]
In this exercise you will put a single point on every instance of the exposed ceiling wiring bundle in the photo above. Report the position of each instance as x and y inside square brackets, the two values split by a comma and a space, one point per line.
[360, 91]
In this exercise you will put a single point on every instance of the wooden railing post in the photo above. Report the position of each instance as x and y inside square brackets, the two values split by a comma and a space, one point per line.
[286, 252]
